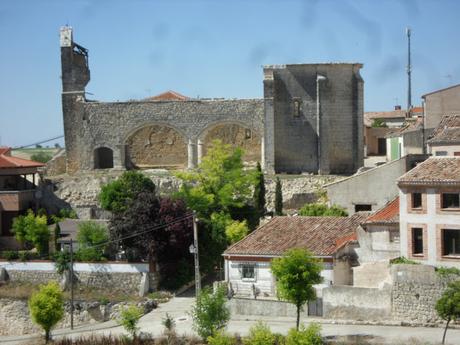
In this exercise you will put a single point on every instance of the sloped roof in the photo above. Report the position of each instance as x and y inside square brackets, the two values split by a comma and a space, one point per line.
[448, 131]
[7, 161]
[441, 90]
[409, 126]
[319, 235]
[434, 171]
[168, 96]
[388, 214]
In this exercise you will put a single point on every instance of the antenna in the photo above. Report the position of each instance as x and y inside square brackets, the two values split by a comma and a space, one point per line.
[409, 71]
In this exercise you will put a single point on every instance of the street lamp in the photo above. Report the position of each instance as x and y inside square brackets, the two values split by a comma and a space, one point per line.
[194, 250]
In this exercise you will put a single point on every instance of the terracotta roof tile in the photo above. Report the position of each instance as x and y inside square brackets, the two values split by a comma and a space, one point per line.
[7, 161]
[447, 132]
[434, 171]
[388, 214]
[319, 235]
[168, 96]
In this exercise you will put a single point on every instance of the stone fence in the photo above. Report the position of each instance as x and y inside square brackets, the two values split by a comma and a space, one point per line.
[124, 277]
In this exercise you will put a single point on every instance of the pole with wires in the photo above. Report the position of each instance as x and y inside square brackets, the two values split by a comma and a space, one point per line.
[194, 250]
[71, 284]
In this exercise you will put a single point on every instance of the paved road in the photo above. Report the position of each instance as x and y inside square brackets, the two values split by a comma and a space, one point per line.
[178, 308]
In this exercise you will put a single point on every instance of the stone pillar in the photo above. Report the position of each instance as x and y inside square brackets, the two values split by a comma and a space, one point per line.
[191, 154]
[119, 158]
[268, 153]
[199, 150]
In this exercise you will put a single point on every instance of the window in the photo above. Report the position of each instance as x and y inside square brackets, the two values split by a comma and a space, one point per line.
[440, 153]
[296, 107]
[248, 272]
[417, 241]
[363, 207]
[247, 134]
[394, 236]
[450, 200]
[416, 200]
[451, 242]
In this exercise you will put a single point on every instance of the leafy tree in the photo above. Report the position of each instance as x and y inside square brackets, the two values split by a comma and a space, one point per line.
[259, 334]
[129, 318]
[378, 123]
[210, 313]
[118, 195]
[236, 231]
[32, 229]
[310, 335]
[62, 261]
[320, 209]
[42, 157]
[47, 307]
[296, 273]
[448, 306]
[259, 191]
[91, 237]
[169, 245]
[278, 198]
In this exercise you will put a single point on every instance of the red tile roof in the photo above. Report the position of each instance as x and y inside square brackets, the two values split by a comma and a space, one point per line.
[388, 214]
[447, 132]
[433, 171]
[8, 162]
[168, 96]
[319, 235]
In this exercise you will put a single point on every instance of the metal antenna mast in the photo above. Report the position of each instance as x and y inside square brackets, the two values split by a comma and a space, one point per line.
[409, 70]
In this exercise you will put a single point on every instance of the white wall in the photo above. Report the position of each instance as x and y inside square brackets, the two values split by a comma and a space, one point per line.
[78, 267]
[375, 245]
[450, 149]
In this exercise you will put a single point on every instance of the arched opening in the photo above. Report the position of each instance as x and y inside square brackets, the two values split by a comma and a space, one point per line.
[156, 146]
[235, 135]
[103, 158]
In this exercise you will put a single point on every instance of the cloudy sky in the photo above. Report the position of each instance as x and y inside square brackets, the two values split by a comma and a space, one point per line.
[214, 48]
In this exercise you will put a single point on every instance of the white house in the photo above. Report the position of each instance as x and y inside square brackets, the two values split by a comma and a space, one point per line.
[247, 262]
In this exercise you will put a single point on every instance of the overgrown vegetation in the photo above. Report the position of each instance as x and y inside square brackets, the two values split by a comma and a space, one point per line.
[447, 271]
[378, 123]
[310, 335]
[403, 260]
[92, 238]
[259, 334]
[320, 209]
[41, 156]
[129, 318]
[32, 231]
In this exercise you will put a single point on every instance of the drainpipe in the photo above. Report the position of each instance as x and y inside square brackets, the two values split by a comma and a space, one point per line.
[318, 121]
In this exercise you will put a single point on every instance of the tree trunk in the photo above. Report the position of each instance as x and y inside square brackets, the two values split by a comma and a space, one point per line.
[298, 317]
[47, 336]
[445, 331]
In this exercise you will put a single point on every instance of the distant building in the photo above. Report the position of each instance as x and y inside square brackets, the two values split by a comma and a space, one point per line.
[445, 139]
[406, 140]
[440, 103]
[430, 212]
[18, 180]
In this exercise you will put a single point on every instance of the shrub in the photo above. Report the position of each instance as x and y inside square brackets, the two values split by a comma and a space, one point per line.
[320, 209]
[41, 157]
[210, 314]
[47, 307]
[32, 229]
[236, 231]
[91, 238]
[259, 334]
[62, 261]
[310, 335]
[278, 198]
[403, 260]
[24, 256]
[129, 318]
[447, 271]
[10, 255]
[221, 338]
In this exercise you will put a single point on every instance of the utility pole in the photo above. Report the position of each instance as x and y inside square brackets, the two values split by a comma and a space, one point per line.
[71, 284]
[318, 122]
[409, 71]
[194, 251]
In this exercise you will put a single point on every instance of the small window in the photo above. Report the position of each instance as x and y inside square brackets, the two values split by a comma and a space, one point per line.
[248, 272]
[296, 108]
[247, 134]
[451, 242]
[363, 207]
[450, 200]
[416, 200]
[440, 153]
[394, 236]
[417, 241]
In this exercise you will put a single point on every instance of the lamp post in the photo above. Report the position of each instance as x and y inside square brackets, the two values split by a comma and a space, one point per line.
[194, 250]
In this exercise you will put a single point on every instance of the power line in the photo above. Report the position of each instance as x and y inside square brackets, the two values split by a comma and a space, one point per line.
[40, 142]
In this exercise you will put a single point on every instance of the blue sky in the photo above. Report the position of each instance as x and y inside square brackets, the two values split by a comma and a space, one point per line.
[212, 48]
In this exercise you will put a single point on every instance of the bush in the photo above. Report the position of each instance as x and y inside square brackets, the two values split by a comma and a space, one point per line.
[41, 157]
[310, 335]
[129, 318]
[10, 255]
[210, 314]
[403, 260]
[32, 229]
[24, 256]
[320, 209]
[62, 261]
[447, 271]
[236, 231]
[221, 338]
[259, 334]
[91, 240]
[47, 307]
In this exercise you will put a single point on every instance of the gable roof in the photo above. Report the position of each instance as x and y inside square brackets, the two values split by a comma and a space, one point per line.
[447, 132]
[433, 171]
[440, 90]
[320, 235]
[388, 214]
[7, 161]
[168, 96]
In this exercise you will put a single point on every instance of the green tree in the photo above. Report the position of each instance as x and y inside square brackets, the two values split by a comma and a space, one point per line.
[129, 318]
[91, 237]
[448, 306]
[47, 307]
[42, 157]
[210, 314]
[118, 195]
[236, 231]
[378, 123]
[32, 229]
[259, 191]
[278, 198]
[320, 209]
[296, 273]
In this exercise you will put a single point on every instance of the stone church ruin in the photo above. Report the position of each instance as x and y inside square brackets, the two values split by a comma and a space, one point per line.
[309, 121]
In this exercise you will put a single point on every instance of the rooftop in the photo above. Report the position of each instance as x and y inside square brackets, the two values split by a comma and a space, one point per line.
[168, 96]
[447, 132]
[320, 235]
[434, 171]
[7, 161]
[388, 214]
[441, 90]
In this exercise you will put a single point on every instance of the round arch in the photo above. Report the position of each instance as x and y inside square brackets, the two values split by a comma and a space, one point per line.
[156, 145]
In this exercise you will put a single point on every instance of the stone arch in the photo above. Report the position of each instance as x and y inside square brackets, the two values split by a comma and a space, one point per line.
[234, 133]
[103, 158]
[156, 146]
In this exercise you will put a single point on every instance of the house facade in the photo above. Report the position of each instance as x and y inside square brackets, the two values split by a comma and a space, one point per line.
[430, 212]
[247, 262]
